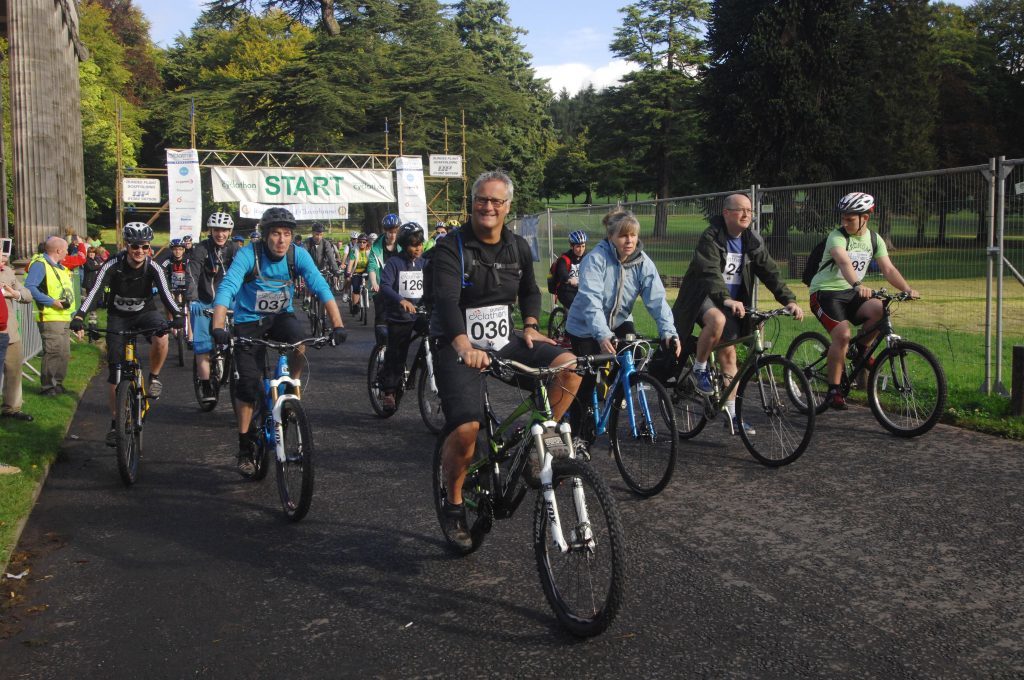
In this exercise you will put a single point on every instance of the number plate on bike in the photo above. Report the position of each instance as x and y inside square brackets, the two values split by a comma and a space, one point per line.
[488, 327]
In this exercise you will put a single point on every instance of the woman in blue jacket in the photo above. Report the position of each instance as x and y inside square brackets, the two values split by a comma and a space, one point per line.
[612, 276]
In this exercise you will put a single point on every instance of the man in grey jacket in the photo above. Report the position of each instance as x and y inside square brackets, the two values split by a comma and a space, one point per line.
[14, 293]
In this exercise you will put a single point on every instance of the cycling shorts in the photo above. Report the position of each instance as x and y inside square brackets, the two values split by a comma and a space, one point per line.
[202, 343]
[115, 343]
[832, 307]
[249, 360]
[732, 323]
[357, 283]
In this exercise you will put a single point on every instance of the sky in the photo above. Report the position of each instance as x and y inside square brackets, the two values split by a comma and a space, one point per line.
[568, 38]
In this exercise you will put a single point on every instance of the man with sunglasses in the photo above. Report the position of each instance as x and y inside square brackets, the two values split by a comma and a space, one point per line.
[132, 277]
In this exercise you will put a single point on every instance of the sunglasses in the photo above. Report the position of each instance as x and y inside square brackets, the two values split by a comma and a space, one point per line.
[138, 246]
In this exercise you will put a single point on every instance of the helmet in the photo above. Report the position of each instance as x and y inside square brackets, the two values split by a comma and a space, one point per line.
[391, 221]
[354, 236]
[577, 237]
[136, 232]
[187, 238]
[176, 243]
[220, 220]
[440, 224]
[373, 237]
[277, 217]
[318, 228]
[238, 238]
[254, 236]
[407, 232]
[857, 203]
[454, 224]
[364, 237]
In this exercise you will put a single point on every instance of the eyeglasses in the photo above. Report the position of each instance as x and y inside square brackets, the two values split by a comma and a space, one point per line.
[745, 211]
[493, 202]
[140, 246]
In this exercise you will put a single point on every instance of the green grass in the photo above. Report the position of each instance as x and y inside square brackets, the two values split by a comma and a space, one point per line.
[33, 446]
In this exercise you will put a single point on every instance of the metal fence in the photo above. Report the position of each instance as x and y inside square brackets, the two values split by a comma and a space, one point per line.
[957, 235]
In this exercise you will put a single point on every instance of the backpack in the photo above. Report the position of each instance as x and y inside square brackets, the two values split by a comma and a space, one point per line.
[255, 272]
[814, 264]
[428, 271]
[552, 283]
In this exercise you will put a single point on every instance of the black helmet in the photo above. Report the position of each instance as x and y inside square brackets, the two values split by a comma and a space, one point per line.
[318, 228]
[408, 231]
[277, 217]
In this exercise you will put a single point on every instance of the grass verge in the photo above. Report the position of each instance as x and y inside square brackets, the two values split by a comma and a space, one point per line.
[34, 446]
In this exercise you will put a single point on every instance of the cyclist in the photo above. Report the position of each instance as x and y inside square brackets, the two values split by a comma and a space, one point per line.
[837, 296]
[440, 229]
[134, 280]
[355, 270]
[401, 288]
[175, 266]
[260, 286]
[612, 277]
[380, 252]
[210, 262]
[477, 272]
[187, 240]
[322, 250]
[565, 272]
[719, 286]
[254, 236]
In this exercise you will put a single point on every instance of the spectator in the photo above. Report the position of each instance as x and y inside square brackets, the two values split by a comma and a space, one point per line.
[4, 338]
[93, 263]
[49, 281]
[13, 292]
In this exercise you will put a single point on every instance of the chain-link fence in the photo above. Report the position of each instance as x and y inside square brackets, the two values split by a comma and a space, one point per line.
[939, 228]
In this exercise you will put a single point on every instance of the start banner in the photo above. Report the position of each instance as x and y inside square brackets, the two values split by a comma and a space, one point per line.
[301, 185]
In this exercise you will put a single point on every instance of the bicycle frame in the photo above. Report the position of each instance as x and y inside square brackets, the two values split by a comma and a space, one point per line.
[755, 343]
[627, 368]
[129, 370]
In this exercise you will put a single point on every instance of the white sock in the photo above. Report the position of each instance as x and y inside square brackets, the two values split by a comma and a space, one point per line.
[730, 408]
[700, 365]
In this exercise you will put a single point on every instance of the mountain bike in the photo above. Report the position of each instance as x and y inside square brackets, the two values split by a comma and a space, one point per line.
[577, 535]
[906, 385]
[182, 336]
[279, 425]
[556, 325]
[131, 402]
[772, 391]
[420, 374]
[222, 370]
[637, 417]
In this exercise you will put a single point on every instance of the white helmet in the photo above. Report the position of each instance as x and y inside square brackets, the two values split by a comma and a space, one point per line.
[857, 203]
[220, 220]
[373, 237]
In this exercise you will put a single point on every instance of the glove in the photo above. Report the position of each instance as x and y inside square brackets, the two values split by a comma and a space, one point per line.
[77, 324]
[177, 322]
[221, 336]
[338, 336]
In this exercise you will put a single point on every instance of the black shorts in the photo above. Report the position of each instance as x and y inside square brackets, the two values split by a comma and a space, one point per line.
[249, 360]
[462, 388]
[732, 324]
[115, 343]
[832, 307]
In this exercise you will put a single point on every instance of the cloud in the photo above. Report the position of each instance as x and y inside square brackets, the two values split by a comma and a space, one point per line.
[575, 76]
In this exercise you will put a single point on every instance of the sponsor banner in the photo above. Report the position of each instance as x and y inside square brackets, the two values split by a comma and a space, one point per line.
[302, 211]
[443, 165]
[412, 198]
[136, 190]
[301, 185]
[184, 193]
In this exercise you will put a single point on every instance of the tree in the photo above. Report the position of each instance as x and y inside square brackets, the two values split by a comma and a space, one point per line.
[309, 12]
[570, 171]
[131, 28]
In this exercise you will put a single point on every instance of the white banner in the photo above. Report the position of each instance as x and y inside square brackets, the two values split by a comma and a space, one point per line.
[443, 165]
[184, 193]
[412, 198]
[136, 190]
[301, 185]
[302, 211]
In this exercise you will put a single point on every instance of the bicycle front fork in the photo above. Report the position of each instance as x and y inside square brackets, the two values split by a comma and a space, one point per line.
[552, 435]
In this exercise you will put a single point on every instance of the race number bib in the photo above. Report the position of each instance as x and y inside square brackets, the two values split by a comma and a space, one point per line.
[177, 279]
[488, 327]
[859, 259]
[410, 284]
[271, 301]
[731, 274]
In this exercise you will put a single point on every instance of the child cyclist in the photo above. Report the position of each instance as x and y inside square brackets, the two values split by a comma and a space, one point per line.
[401, 288]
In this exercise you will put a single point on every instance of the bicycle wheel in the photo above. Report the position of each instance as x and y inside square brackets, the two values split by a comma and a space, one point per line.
[429, 400]
[585, 584]
[689, 404]
[295, 473]
[556, 324]
[779, 429]
[809, 351]
[645, 461]
[479, 516]
[129, 432]
[373, 388]
[907, 389]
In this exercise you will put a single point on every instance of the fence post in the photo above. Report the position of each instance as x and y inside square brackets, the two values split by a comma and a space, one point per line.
[755, 204]
[1002, 174]
[990, 252]
[1017, 382]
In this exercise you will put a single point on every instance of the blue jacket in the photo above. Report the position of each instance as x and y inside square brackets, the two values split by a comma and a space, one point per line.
[389, 288]
[609, 289]
[273, 278]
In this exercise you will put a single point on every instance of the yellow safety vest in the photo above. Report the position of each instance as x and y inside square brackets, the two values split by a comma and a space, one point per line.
[58, 280]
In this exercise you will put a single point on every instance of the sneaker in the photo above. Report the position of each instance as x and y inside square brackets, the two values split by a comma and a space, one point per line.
[455, 526]
[112, 437]
[246, 467]
[387, 403]
[156, 388]
[17, 415]
[702, 381]
[734, 424]
[836, 400]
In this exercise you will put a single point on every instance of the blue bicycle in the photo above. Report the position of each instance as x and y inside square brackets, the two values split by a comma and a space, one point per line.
[638, 417]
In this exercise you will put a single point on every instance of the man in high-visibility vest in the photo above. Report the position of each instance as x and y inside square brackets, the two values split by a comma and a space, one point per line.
[49, 281]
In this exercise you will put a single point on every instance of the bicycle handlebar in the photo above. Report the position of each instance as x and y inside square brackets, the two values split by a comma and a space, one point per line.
[139, 331]
[758, 316]
[282, 347]
[882, 294]
[498, 366]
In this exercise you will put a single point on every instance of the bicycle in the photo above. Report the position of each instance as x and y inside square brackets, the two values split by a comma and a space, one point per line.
[766, 399]
[279, 424]
[421, 374]
[131, 402]
[222, 370]
[644, 444]
[906, 385]
[581, 561]
[182, 336]
[556, 325]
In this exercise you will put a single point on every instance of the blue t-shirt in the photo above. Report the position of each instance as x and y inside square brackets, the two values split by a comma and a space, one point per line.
[733, 273]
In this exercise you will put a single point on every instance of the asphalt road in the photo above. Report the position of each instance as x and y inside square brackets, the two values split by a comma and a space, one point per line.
[868, 557]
